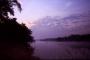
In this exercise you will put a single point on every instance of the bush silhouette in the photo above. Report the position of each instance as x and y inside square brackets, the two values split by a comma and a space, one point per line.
[11, 31]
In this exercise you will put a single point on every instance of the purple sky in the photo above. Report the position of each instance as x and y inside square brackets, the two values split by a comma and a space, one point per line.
[59, 17]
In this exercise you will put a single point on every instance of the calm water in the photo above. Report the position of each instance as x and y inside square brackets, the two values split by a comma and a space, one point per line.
[61, 50]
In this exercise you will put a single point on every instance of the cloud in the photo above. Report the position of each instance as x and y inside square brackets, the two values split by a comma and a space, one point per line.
[53, 27]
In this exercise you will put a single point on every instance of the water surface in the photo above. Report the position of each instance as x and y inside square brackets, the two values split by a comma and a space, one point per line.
[61, 50]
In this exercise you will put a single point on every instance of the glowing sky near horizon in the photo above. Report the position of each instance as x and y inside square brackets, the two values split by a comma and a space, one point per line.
[33, 10]
[54, 18]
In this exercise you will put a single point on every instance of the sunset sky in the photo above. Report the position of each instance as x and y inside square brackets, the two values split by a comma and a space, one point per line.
[62, 10]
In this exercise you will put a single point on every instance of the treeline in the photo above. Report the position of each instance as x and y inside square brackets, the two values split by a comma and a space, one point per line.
[85, 37]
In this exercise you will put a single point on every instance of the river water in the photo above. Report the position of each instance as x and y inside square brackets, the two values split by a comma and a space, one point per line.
[51, 50]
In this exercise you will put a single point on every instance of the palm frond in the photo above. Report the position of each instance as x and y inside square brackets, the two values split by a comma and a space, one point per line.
[18, 5]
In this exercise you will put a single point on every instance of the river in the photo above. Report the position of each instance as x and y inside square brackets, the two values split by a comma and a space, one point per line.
[52, 50]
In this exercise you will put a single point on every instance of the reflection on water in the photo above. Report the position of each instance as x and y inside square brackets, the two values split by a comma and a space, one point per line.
[61, 50]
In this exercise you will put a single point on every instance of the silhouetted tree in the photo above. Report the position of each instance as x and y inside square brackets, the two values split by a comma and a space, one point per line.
[6, 7]
[13, 36]
[9, 28]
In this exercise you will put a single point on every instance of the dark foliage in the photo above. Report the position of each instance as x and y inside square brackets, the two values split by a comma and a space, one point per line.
[14, 37]
[11, 31]
[6, 7]
[77, 37]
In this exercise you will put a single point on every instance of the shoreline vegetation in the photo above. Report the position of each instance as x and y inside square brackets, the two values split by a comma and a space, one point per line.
[14, 37]
[77, 38]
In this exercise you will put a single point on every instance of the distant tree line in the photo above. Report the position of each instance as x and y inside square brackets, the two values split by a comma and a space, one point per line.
[85, 37]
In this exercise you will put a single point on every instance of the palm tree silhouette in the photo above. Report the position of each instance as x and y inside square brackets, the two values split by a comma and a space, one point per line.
[6, 7]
